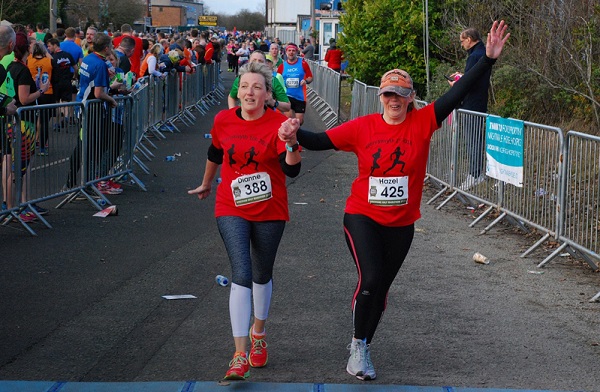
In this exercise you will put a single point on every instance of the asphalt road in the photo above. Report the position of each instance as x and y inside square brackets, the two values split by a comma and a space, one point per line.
[83, 301]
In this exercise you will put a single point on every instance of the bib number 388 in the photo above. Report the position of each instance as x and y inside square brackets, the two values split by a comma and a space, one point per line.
[251, 188]
[388, 191]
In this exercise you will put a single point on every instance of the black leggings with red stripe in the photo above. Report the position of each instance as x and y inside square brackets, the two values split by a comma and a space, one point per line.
[378, 252]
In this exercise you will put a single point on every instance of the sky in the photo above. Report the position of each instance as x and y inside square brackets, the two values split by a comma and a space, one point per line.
[232, 7]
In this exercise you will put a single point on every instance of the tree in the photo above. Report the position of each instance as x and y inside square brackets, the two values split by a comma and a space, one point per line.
[104, 12]
[243, 20]
[386, 34]
[550, 71]
[19, 11]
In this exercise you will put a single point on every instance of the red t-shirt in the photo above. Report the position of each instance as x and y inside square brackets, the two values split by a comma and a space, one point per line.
[138, 52]
[395, 156]
[250, 147]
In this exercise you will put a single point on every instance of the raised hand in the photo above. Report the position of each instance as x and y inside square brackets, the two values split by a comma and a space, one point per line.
[496, 39]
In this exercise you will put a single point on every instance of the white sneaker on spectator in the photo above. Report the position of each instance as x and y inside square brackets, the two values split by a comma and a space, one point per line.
[471, 181]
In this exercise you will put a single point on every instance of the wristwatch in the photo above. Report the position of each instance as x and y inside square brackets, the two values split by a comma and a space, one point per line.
[293, 148]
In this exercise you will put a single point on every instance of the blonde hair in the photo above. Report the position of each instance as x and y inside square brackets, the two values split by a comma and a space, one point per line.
[38, 50]
[261, 69]
[156, 49]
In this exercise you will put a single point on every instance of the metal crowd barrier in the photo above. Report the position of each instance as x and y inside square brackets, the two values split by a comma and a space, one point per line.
[364, 100]
[560, 196]
[536, 204]
[324, 93]
[68, 150]
[42, 158]
[580, 196]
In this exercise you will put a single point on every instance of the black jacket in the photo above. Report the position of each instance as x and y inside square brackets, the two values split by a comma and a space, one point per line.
[477, 99]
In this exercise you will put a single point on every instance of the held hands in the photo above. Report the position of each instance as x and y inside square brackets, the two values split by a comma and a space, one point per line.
[202, 191]
[288, 129]
[496, 39]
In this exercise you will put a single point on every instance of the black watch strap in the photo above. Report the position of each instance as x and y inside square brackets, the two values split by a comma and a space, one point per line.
[293, 148]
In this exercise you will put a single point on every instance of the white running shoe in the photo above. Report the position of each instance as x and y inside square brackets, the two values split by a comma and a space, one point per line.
[359, 363]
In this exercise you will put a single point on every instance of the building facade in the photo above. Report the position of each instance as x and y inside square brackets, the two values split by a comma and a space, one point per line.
[191, 10]
[294, 21]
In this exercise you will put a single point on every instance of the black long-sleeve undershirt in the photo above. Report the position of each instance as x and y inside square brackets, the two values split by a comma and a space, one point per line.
[215, 155]
[442, 107]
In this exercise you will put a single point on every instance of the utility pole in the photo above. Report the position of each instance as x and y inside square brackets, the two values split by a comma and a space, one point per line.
[426, 41]
[53, 15]
[312, 21]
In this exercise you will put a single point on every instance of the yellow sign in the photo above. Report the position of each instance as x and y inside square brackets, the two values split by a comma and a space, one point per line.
[207, 20]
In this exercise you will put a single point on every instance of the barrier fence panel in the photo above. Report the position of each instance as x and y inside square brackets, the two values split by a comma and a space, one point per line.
[157, 100]
[439, 163]
[201, 87]
[468, 164]
[141, 123]
[537, 203]
[359, 93]
[42, 138]
[6, 163]
[190, 91]
[183, 114]
[580, 224]
[366, 98]
[324, 93]
[10, 204]
[172, 99]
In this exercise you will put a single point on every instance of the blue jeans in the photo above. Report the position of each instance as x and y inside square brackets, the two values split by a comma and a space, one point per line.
[251, 247]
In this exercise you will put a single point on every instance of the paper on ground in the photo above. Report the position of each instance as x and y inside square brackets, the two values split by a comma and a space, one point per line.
[111, 210]
[180, 296]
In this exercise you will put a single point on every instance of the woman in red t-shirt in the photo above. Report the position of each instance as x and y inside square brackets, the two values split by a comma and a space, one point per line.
[251, 206]
[392, 150]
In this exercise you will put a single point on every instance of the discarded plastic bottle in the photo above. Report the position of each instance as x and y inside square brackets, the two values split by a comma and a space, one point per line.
[207, 136]
[169, 158]
[222, 280]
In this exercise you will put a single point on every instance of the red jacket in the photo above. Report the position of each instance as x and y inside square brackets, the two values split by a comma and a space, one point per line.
[209, 52]
[334, 58]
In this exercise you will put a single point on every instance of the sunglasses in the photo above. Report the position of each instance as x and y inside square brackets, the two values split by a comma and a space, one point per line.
[389, 94]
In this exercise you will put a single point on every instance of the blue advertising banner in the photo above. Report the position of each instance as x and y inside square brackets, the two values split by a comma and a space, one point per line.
[504, 149]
